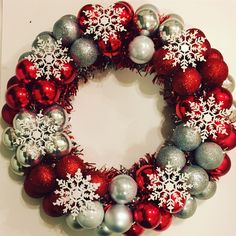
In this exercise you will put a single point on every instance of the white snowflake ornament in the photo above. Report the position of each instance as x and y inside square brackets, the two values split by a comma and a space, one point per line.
[76, 193]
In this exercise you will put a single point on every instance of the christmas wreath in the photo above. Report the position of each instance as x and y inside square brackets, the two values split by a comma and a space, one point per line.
[158, 186]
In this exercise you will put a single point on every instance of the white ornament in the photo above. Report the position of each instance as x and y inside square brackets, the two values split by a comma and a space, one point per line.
[49, 58]
[168, 183]
[104, 22]
[185, 49]
[76, 194]
[208, 117]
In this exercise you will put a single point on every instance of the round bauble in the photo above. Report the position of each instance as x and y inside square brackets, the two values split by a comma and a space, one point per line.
[188, 210]
[16, 167]
[9, 138]
[23, 116]
[214, 54]
[135, 230]
[8, 114]
[208, 192]
[45, 37]
[166, 220]
[183, 106]
[229, 84]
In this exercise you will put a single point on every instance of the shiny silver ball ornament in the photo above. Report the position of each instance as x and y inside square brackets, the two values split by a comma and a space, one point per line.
[208, 192]
[23, 117]
[91, 218]
[103, 230]
[146, 19]
[16, 167]
[229, 83]
[24, 55]
[176, 17]
[141, 49]
[45, 36]
[9, 138]
[84, 52]
[209, 155]
[186, 138]
[73, 223]
[198, 178]
[123, 189]
[66, 29]
[188, 210]
[118, 218]
[171, 155]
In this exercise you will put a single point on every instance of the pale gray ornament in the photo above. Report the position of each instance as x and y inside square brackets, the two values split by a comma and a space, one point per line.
[16, 167]
[84, 52]
[198, 178]
[176, 17]
[24, 55]
[66, 29]
[188, 210]
[73, 223]
[44, 36]
[123, 189]
[9, 137]
[22, 117]
[171, 155]
[103, 230]
[208, 192]
[141, 49]
[186, 138]
[229, 83]
[118, 218]
[91, 218]
[209, 155]
[146, 19]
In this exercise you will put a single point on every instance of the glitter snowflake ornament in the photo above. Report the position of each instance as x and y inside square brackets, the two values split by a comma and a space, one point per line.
[104, 22]
[76, 193]
[185, 49]
[169, 187]
[208, 117]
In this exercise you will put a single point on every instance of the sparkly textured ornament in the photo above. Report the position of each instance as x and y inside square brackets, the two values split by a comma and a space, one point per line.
[44, 37]
[214, 54]
[73, 223]
[229, 84]
[135, 230]
[24, 55]
[8, 114]
[188, 210]
[208, 192]
[166, 220]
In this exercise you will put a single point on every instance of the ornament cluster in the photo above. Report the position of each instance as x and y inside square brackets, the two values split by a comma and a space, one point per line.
[159, 186]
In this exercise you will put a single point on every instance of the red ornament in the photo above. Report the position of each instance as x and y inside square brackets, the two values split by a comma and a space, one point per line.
[166, 220]
[183, 106]
[68, 74]
[12, 81]
[219, 135]
[8, 114]
[45, 92]
[186, 82]
[26, 71]
[214, 72]
[17, 97]
[199, 32]
[214, 54]
[135, 230]
[178, 206]
[147, 215]
[127, 12]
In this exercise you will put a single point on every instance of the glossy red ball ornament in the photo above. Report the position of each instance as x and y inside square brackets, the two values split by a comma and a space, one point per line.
[219, 135]
[12, 81]
[17, 97]
[214, 54]
[26, 71]
[199, 32]
[135, 230]
[127, 12]
[186, 82]
[67, 74]
[214, 72]
[147, 215]
[45, 92]
[177, 207]
[8, 114]
[183, 106]
[166, 220]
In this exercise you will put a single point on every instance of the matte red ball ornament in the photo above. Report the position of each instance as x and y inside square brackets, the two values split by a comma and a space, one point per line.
[12, 81]
[135, 230]
[68, 74]
[8, 114]
[26, 71]
[214, 54]
[166, 220]
[127, 12]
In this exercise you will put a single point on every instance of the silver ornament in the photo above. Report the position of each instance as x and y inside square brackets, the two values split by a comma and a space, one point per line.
[209, 155]
[66, 29]
[23, 117]
[171, 155]
[198, 178]
[73, 223]
[141, 49]
[123, 189]
[103, 230]
[176, 17]
[9, 138]
[16, 167]
[146, 19]
[186, 138]
[208, 192]
[229, 83]
[24, 55]
[44, 36]
[91, 218]
[84, 52]
[188, 210]
[118, 218]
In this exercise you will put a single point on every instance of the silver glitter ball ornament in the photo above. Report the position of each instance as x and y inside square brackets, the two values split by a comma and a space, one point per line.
[186, 138]
[123, 189]
[146, 19]
[209, 155]
[118, 218]
[198, 178]
[22, 117]
[103, 230]
[171, 155]
[229, 83]
[16, 167]
[73, 223]
[141, 49]
[9, 137]
[84, 52]
[91, 218]
[188, 210]
[45, 37]
[24, 55]
[208, 192]
[66, 29]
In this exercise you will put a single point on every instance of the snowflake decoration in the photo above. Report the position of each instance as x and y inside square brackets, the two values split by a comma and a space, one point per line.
[76, 193]
[185, 49]
[49, 58]
[169, 187]
[104, 22]
[208, 117]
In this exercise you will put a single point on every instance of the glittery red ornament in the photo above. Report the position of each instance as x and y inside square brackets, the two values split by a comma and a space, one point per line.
[214, 54]
[214, 72]
[127, 12]
[186, 82]
[45, 92]
[166, 220]
[68, 74]
[12, 81]
[26, 71]
[183, 106]
[199, 32]
[8, 114]
[147, 215]
[17, 97]
[219, 135]
[135, 230]
[178, 205]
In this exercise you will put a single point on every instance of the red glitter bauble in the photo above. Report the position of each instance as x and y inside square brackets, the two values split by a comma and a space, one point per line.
[40, 181]
[166, 220]
[12, 81]
[50, 208]
[214, 72]
[8, 114]
[178, 206]
[17, 97]
[69, 165]
[183, 106]
[198, 34]
[147, 215]
[68, 74]
[219, 135]
[127, 12]
[135, 230]
[45, 92]
[186, 82]
[26, 71]
[214, 54]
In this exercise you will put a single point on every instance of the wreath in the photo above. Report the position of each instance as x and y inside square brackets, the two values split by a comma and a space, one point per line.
[160, 185]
